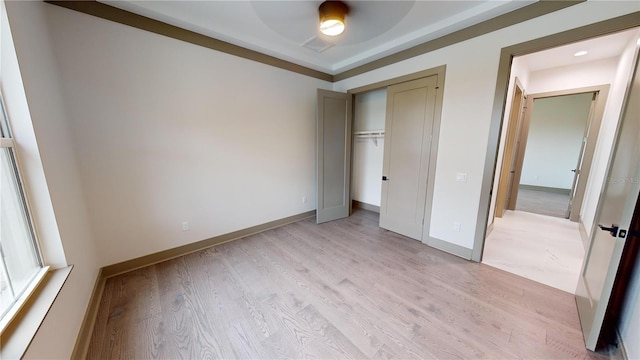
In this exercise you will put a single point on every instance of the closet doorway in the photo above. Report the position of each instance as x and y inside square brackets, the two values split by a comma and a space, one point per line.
[394, 166]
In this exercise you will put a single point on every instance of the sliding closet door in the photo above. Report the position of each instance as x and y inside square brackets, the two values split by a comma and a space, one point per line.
[408, 135]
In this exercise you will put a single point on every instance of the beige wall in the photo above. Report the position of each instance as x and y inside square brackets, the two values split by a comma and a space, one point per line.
[168, 132]
[554, 140]
[592, 73]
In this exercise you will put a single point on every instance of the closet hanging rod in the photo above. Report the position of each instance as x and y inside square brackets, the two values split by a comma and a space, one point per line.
[374, 135]
[369, 133]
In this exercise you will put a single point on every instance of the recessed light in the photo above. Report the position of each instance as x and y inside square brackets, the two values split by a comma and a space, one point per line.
[581, 53]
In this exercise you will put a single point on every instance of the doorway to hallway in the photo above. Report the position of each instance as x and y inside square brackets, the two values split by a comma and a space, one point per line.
[531, 238]
[543, 201]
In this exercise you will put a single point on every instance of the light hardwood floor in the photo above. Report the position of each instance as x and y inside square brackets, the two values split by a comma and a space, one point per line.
[542, 248]
[344, 289]
[543, 202]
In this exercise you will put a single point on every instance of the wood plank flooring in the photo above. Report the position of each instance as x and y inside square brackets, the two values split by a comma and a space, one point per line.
[542, 248]
[543, 202]
[344, 289]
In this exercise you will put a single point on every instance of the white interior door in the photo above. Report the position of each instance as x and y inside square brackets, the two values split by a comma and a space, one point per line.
[407, 146]
[577, 172]
[510, 149]
[615, 211]
[333, 155]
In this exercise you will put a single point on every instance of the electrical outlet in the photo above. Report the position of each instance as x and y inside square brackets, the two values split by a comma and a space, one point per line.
[185, 226]
[456, 226]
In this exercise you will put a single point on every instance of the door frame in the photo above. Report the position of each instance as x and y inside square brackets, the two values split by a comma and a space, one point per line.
[440, 72]
[502, 84]
[510, 153]
[596, 113]
[351, 94]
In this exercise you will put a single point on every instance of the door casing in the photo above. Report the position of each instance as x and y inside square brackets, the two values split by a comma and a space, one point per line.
[602, 92]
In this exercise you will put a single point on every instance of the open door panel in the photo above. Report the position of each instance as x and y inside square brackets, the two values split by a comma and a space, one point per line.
[333, 155]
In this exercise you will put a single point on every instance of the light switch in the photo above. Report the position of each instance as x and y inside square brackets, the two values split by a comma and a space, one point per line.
[461, 177]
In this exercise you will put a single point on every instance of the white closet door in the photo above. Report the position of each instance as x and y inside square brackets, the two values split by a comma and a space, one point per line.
[408, 134]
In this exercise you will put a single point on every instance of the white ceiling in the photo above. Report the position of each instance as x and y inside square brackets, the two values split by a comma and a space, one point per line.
[599, 48]
[374, 28]
[280, 28]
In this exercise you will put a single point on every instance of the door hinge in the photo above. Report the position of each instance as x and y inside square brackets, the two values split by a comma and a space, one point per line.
[633, 233]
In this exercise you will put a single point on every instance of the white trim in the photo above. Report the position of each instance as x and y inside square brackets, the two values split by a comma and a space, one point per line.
[26, 294]
[6, 142]
[16, 340]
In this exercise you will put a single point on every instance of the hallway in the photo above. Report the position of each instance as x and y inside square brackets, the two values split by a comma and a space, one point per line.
[548, 203]
[541, 248]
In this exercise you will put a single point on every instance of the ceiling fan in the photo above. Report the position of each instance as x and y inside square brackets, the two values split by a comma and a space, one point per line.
[299, 20]
[332, 14]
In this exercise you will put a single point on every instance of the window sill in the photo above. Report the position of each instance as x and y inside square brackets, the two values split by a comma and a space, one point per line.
[16, 308]
[17, 336]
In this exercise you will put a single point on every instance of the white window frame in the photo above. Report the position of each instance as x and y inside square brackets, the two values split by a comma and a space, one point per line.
[7, 141]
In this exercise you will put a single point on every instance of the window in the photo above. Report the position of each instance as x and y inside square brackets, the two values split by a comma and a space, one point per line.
[20, 260]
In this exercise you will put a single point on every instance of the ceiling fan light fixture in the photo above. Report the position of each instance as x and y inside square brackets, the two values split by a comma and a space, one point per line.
[332, 14]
